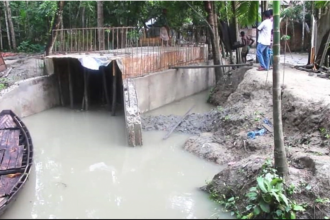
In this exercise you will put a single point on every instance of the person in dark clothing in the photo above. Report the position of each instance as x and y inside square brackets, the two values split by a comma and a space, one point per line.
[247, 42]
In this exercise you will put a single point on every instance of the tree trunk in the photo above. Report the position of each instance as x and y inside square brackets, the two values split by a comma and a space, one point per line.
[214, 34]
[237, 34]
[11, 25]
[303, 28]
[100, 20]
[281, 164]
[1, 43]
[257, 32]
[83, 17]
[322, 31]
[7, 27]
[56, 25]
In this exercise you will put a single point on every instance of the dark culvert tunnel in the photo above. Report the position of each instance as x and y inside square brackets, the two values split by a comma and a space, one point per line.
[101, 90]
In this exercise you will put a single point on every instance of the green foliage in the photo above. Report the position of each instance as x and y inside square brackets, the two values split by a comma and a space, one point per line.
[268, 199]
[28, 47]
[285, 37]
[247, 12]
[3, 84]
[321, 4]
[325, 133]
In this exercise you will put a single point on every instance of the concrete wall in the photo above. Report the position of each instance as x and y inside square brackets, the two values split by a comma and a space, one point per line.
[161, 88]
[30, 96]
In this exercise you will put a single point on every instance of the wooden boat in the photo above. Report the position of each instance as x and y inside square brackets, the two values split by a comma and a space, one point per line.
[16, 154]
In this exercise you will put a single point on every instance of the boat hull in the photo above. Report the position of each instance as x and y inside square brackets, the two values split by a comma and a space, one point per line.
[16, 157]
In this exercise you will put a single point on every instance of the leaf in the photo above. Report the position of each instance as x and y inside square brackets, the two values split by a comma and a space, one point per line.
[261, 185]
[231, 199]
[298, 208]
[252, 195]
[253, 189]
[256, 211]
[264, 206]
[284, 199]
[308, 187]
[249, 207]
[275, 195]
[278, 213]
[275, 181]
[292, 215]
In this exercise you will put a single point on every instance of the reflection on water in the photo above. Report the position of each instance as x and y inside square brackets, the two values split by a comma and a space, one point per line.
[84, 169]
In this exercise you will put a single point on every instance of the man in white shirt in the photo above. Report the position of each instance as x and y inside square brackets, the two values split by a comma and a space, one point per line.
[264, 40]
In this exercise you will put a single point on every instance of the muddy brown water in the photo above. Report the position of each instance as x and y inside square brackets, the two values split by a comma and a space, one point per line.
[84, 169]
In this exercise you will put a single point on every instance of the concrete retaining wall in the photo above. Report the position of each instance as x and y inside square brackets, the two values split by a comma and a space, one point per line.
[161, 88]
[30, 96]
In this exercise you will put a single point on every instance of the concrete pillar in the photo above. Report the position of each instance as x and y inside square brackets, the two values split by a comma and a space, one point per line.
[132, 114]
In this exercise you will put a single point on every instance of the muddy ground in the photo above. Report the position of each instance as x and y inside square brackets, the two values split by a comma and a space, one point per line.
[22, 66]
[244, 105]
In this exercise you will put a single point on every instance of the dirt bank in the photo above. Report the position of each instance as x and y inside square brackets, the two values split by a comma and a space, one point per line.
[221, 135]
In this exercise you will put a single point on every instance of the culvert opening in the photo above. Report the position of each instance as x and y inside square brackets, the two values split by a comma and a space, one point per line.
[104, 87]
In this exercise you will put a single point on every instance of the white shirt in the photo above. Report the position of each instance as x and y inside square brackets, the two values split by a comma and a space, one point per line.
[265, 33]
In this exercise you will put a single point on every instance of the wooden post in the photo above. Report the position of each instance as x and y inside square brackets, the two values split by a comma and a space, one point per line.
[70, 84]
[86, 89]
[59, 84]
[105, 87]
[114, 88]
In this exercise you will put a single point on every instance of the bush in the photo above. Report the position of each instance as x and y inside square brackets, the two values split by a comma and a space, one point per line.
[267, 200]
[27, 47]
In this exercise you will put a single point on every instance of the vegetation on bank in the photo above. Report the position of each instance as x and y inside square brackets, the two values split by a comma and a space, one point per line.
[269, 199]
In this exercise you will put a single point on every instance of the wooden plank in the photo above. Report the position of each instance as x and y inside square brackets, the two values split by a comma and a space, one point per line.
[6, 121]
[19, 160]
[11, 153]
[70, 84]
[105, 88]
[3, 185]
[3, 141]
[16, 153]
[10, 180]
[114, 88]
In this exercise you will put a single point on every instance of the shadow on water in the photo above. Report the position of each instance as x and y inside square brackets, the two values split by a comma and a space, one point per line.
[83, 168]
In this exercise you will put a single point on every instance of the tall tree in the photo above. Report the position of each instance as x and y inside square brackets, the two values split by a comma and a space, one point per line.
[212, 20]
[100, 21]
[10, 22]
[7, 26]
[281, 163]
[1, 43]
[56, 25]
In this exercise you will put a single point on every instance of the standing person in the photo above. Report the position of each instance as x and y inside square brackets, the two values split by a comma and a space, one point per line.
[247, 42]
[164, 30]
[264, 38]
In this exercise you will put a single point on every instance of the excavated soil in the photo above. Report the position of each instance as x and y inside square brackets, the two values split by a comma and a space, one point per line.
[221, 134]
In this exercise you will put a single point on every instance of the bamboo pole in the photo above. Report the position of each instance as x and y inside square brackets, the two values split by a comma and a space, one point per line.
[114, 87]
[105, 87]
[281, 163]
[70, 84]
